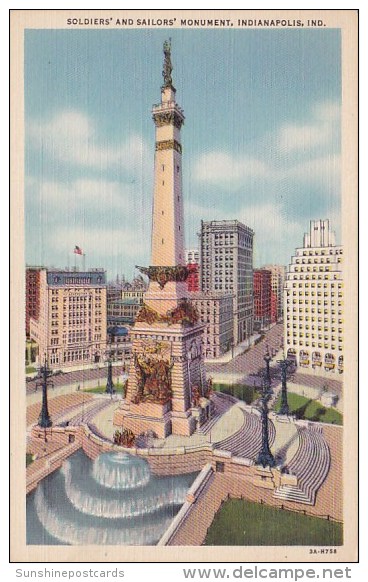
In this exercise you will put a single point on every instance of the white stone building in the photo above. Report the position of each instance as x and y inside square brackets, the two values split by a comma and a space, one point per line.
[71, 326]
[314, 302]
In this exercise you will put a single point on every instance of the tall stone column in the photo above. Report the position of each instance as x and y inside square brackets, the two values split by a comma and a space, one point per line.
[167, 362]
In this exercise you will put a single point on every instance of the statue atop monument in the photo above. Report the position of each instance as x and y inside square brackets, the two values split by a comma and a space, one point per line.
[167, 70]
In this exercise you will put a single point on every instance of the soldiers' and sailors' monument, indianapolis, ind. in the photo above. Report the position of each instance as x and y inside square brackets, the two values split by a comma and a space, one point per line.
[167, 387]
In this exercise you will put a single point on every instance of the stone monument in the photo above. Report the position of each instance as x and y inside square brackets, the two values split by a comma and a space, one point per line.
[167, 389]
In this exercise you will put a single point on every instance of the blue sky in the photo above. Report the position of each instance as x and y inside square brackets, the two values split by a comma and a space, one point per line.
[261, 141]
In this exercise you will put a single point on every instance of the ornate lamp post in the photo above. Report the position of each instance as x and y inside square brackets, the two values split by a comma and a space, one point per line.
[265, 457]
[44, 420]
[267, 358]
[284, 407]
[110, 385]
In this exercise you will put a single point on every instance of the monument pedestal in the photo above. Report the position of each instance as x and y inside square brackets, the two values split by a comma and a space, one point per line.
[165, 357]
[144, 417]
[183, 424]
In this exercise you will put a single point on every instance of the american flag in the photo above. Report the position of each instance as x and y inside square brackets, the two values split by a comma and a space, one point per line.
[78, 250]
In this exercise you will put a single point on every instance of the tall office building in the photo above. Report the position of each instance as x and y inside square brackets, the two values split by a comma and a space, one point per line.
[277, 290]
[71, 325]
[226, 264]
[314, 303]
[262, 298]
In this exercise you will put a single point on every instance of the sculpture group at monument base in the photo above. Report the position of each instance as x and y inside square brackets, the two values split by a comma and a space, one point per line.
[157, 418]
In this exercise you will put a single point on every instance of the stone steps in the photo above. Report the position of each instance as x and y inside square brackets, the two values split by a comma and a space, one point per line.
[292, 493]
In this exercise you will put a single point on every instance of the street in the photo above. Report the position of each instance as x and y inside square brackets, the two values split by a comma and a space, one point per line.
[251, 363]
[78, 378]
[248, 367]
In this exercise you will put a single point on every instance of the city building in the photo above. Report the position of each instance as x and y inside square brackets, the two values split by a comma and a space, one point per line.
[192, 262]
[123, 303]
[216, 312]
[70, 329]
[113, 292]
[167, 388]
[314, 301]
[32, 295]
[262, 298]
[119, 345]
[278, 273]
[123, 311]
[226, 264]
[192, 256]
[193, 278]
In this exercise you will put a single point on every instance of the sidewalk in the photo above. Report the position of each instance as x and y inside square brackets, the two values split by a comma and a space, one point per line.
[82, 367]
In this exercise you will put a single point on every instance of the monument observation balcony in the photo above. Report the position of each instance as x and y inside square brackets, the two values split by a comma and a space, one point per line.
[167, 106]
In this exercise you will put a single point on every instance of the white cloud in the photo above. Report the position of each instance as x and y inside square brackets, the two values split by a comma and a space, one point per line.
[323, 170]
[321, 131]
[329, 111]
[87, 193]
[72, 137]
[304, 137]
[221, 167]
[306, 151]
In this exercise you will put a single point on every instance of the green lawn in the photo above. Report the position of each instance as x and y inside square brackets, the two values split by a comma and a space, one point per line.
[102, 389]
[241, 391]
[243, 523]
[308, 409]
[29, 459]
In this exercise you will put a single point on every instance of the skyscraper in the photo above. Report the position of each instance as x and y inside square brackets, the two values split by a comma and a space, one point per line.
[226, 264]
[314, 303]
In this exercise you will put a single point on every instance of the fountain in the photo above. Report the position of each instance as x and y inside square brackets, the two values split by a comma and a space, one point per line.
[121, 471]
[112, 500]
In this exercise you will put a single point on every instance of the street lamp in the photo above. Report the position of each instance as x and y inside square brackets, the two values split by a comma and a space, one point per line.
[267, 358]
[265, 457]
[284, 407]
[44, 420]
[110, 385]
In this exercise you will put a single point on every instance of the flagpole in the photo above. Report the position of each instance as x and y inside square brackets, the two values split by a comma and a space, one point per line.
[84, 262]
